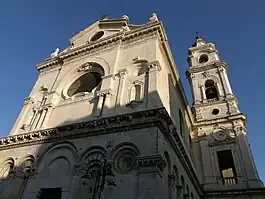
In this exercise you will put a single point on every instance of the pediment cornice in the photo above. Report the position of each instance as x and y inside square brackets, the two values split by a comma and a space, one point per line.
[94, 46]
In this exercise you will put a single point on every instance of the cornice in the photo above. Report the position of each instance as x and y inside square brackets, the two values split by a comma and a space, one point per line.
[105, 125]
[240, 116]
[256, 191]
[122, 36]
[157, 117]
[208, 66]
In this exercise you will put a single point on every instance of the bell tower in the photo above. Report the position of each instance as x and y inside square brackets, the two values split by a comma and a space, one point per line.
[220, 128]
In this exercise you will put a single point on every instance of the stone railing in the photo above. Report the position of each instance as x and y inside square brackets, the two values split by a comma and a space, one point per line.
[229, 181]
[212, 100]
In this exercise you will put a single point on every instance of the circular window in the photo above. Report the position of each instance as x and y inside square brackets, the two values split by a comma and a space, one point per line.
[203, 58]
[215, 111]
[125, 161]
[97, 36]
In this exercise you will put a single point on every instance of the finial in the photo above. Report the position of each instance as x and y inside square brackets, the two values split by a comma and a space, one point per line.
[198, 36]
[199, 40]
[153, 17]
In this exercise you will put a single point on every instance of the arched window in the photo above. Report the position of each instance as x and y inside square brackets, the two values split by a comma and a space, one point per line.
[181, 123]
[85, 83]
[136, 92]
[210, 90]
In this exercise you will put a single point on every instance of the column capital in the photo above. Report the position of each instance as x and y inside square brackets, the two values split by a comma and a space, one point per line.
[122, 73]
[104, 92]
[154, 66]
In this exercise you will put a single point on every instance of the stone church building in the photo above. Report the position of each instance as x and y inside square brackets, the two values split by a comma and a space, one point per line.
[108, 118]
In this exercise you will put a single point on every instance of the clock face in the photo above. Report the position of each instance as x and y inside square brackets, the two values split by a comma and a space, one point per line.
[220, 135]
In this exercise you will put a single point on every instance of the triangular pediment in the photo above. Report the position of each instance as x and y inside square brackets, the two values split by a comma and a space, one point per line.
[99, 30]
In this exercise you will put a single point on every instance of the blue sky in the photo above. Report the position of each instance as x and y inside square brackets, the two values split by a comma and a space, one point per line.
[30, 30]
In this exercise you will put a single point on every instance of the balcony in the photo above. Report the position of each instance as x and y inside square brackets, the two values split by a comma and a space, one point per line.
[212, 100]
[229, 181]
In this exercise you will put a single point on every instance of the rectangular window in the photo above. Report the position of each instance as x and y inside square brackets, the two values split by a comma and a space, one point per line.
[227, 167]
[51, 193]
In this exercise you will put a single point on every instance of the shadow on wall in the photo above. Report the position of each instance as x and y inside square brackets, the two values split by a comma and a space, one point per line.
[35, 168]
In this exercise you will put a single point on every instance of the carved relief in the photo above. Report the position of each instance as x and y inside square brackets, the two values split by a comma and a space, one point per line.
[232, 107]
[205, 74]
[198, 113]
[85, 67]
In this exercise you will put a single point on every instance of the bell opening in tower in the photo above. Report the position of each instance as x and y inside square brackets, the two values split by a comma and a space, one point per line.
[210, 90]
[227, 167]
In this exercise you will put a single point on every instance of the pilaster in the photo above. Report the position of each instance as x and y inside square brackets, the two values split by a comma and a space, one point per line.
[153, 98]
[121, 75]
[149, 176]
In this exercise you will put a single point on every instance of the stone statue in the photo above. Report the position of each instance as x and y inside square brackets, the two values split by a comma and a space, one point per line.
[153, 17]
[55, 53]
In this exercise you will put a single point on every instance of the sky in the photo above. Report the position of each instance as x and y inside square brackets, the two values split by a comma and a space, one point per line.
[31, 29]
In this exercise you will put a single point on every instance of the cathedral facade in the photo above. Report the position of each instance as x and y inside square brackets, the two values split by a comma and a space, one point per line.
[108, 118]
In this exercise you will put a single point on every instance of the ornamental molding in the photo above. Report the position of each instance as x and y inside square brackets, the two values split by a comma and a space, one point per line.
[154, 66]
[254, 191]
[151, 161]
[91, 47]
[124, 122]
[205, 47]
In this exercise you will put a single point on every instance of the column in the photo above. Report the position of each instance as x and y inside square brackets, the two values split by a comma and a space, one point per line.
[197, 97]
[22, 116]
[16, 185]
[172, 183]
[209, 177]
[119, 98]
[226, 83]
[99, 104]
[36, 119]
[219, 90]
[252, 177]
[49, 110]
[106, 104]
[179, 192]
[149, 177]
[42, 117]
[103, 102]
[203, 93]
[153, 97]
[74, 190]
